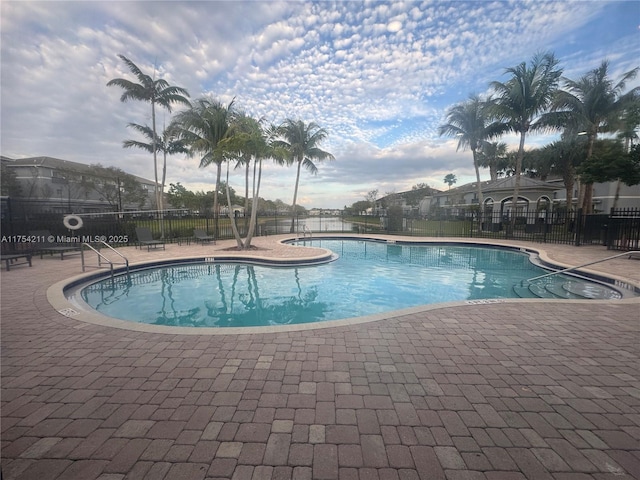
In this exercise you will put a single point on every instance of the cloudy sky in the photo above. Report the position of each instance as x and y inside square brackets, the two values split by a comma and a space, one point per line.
[378, 76]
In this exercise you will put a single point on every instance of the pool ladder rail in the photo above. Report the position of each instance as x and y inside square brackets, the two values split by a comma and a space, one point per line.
[571, 290]
[102, 259]
[305, 230]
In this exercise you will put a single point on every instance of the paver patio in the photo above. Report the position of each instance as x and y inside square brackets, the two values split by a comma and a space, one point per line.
[502, 391]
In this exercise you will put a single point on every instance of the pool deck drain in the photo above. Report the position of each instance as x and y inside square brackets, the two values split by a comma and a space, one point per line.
[511, 390]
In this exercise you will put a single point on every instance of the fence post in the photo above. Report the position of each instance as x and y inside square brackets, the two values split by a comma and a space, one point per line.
[578, 229]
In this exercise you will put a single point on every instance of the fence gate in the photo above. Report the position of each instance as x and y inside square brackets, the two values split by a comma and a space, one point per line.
[623, 231]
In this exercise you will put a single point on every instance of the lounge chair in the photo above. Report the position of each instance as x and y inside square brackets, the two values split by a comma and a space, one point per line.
[145, 238]
[47, 243]
[201, 236]
[12, 255]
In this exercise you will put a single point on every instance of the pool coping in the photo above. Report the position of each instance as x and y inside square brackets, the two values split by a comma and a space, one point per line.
[58, 299]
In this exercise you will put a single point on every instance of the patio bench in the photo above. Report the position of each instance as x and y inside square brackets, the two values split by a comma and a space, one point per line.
[11, 259]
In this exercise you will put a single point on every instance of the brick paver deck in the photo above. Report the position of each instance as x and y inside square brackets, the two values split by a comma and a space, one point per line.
[525, 390]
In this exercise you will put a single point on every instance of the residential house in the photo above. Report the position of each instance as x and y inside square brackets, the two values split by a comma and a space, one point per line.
[52, 185]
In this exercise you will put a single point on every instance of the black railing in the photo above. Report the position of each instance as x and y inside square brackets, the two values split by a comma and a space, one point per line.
[623, 229]
[619, 230]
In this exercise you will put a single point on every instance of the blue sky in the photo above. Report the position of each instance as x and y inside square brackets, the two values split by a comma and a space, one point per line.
[378, 76]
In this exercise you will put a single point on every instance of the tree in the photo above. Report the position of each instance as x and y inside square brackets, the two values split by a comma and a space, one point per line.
[593, 104]
[566, 154]
[302, 143]
[417, 193]
[469, 122]
[10, 186]
[609, 162]
[203, 127]
[360, 206]
[155, 92]
[493, 156]
[522, 100]
[115, 186]
[180, 197]
[168, 144]
[249, 143]
[450, 179]
[371, 199]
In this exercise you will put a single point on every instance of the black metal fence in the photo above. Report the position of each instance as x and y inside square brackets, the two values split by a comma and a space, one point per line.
[623, 229]
[618, 230]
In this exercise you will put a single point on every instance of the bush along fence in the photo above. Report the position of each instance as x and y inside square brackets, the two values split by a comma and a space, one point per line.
[618, 230]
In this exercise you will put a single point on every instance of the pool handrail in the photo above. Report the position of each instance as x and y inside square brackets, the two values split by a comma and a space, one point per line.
[102, 257]
[539, 277]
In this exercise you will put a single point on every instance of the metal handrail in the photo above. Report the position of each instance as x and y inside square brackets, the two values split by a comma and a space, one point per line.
[305, 230]
[580, 266]
[102, 257]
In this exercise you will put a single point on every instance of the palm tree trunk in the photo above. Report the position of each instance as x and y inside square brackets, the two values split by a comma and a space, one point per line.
[155, 156]
[580, 200]
[161, 196]
[254, 207]
[568, 178]
[617, 196]
[587, 206]
[246, 192]
[516, 188]
[295, 197]
[234, 227]
[493, 170]
[479, 184]
[587, 200]
[216, 207]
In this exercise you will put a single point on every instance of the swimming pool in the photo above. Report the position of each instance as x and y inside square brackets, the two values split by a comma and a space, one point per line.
[369, 277]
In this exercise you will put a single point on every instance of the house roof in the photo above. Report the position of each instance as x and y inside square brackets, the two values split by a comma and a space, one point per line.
[504, 184]
[425, 191]
[57, 163]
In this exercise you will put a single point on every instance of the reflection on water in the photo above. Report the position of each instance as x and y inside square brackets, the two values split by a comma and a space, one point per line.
[368, 278]
[314, 224]
[207, 295]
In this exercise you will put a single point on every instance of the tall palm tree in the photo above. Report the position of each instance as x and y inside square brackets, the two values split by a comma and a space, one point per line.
[156, 92]
[522, 100]
[203, 127]
[469, 122]
[594, 104]
[248, 144]
[168, 144]
[302, 141]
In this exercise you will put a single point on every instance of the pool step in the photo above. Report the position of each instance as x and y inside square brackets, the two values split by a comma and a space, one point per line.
[591, 291]
[569, 289]
[559, 290]
[524, 292]
[541, 290]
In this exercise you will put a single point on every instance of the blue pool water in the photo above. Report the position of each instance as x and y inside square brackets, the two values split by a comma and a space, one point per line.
[368, 278]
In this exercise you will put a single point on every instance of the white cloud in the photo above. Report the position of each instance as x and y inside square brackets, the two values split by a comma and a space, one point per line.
[378, 76]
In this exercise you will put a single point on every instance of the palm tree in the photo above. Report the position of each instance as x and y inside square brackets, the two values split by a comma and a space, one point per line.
[155, 92]
[494, 157]
[168, 144]
[302, 141]
[470, 123]
[203, 127]
[521, 101]
[593, 104]
[630, 120]
[450, 179]
[249, 143]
